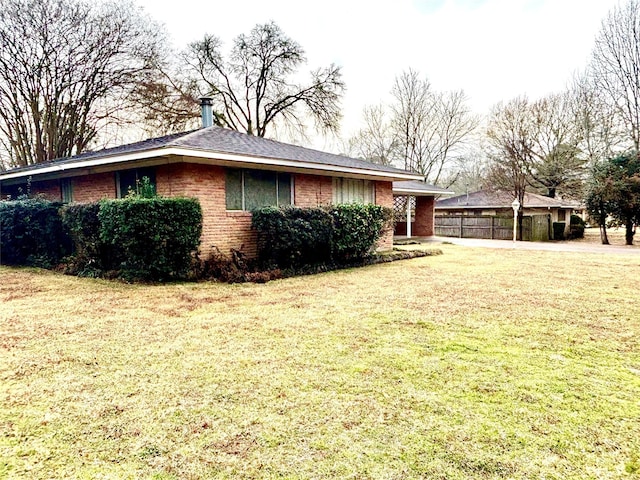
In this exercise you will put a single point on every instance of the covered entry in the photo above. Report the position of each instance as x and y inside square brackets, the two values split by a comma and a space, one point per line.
[414, 203]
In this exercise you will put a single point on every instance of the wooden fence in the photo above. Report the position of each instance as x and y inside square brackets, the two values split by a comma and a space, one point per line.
[535, 227]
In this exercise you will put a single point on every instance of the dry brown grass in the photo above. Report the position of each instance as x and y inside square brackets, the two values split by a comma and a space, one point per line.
[615, 235]
[473, 364]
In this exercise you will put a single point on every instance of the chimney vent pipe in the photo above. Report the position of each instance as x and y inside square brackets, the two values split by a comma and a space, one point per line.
[206, 109]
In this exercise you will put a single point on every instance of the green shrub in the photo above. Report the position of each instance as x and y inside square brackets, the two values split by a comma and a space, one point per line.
[576, 227]
[31, 233]
[291, 237]
[558, 230]
[90, 254]
[357, 229]
[151, 238]
[298, 238]
[144, 189]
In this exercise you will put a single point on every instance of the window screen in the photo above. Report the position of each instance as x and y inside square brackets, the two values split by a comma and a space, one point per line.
[233, 189]
[259, 189]
[562, 215]
[66, 189]
[249, 189]
[350, 190]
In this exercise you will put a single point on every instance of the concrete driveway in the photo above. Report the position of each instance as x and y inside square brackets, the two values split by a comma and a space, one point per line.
[565, 246]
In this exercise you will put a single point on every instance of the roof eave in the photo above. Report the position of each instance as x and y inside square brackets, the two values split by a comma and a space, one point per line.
[212, 157]
[462, 207]
[411, 191]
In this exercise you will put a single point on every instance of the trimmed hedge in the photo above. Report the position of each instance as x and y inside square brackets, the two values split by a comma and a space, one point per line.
[292, 237]
[31, 233]
[576, 227]
[133, 238]
[558, 230]
[150, 238]
[90, 257]
[357, 229]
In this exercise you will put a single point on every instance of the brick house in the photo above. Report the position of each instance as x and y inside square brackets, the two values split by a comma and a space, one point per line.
[229, 172]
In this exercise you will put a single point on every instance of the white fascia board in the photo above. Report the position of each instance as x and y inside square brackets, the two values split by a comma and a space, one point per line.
[474, 207]
[211, 157]
[489, 207]
[410, 191]
[295, 164]
[89, 163]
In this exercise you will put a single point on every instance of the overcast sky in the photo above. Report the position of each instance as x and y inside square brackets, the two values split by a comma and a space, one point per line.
[492, 49]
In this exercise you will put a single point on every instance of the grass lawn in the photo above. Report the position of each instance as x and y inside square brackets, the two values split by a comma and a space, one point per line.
[616, 236]
[474, 364]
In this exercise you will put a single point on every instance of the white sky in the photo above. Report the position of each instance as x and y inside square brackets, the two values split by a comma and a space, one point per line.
[492, 49]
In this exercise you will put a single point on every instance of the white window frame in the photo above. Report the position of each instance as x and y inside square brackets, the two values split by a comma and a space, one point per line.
[344, 190]
[66, 190]
[243, 171]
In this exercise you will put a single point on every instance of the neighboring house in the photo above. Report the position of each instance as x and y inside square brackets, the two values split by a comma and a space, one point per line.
[229, 172]
[498, 204]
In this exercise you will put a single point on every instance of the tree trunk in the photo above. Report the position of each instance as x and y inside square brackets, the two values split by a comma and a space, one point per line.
[602, 221]
[603, 234]
[630, 231]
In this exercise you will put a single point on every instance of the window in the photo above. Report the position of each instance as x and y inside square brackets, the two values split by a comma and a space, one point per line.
[66, 190]
[249, 189]
[11, 192]
[128, 179]
[562, 215]
[349, 190]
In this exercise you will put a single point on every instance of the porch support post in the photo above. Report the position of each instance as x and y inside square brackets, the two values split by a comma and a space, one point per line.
[408, 216]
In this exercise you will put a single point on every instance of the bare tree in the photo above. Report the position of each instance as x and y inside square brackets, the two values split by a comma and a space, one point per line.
[165, 101]
[375, 142]
[66, 68]
[253, 89]
[615, 67]
[599, 132]
[510, 148]
[557, 164]
[467, 172]
[431, 127]
[425, 132]
[411, 110]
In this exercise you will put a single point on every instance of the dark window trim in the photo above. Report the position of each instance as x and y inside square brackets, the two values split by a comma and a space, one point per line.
[243, 171]
[117, 178]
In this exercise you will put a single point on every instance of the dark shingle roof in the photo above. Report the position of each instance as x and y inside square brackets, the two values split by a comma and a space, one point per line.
[501, 199]
[225, 141]
[150, 144]
[417, 187]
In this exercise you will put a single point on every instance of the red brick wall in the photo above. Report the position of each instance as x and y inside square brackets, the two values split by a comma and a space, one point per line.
[312, 190]
[384, 197]
[423, 225]
[401, 228]
[220, 228]
[91, 188]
